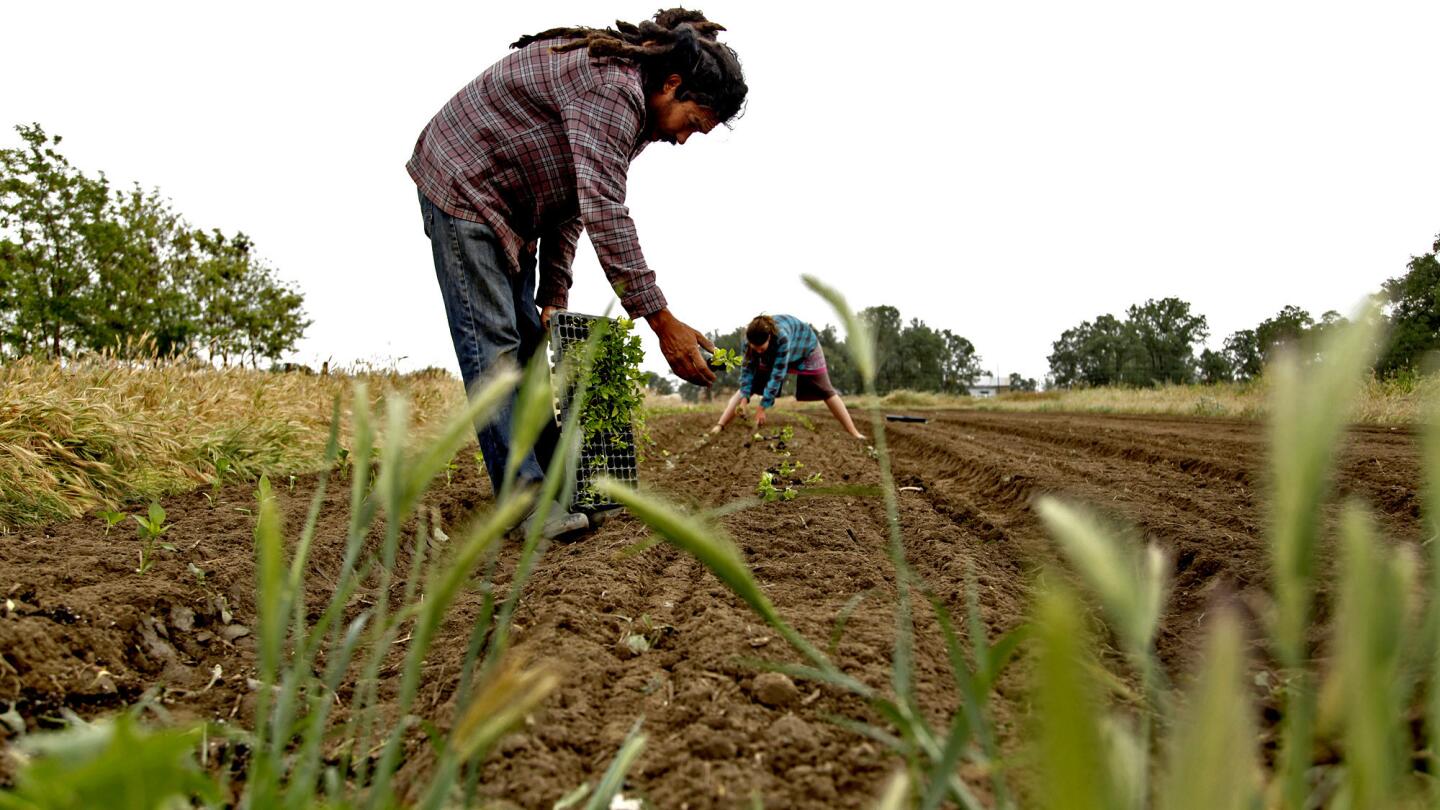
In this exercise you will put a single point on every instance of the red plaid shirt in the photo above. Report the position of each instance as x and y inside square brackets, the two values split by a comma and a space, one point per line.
[537, 147]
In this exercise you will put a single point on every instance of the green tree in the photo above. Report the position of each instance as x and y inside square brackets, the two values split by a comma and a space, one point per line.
[1021, 383]
[48, 210]
[919, 358]
[1285, 328]
[658, 383]
[145, 265]
[1165, 332]
[885, 328]
[961, 366]
[1094, 354]
[85, 269]
[1215, 367]
[841, 370]
[1414, 309]
[1242, 351]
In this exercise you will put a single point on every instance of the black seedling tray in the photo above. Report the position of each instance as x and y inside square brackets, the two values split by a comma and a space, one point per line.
[609, 453]
[895, 417]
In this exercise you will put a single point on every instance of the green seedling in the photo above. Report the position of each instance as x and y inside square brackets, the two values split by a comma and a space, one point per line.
[769, 493]
[450, 470]
[111, 517]
[813, 480]
[788, 468]
[726, 359]
[152, 526]
[787, 434]
[222, 466]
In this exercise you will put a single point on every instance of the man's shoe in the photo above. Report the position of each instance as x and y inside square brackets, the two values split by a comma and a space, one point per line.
[599, 517]
[559, 522]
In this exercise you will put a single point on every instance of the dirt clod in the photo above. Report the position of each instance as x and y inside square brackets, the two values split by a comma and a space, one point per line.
[775, 689]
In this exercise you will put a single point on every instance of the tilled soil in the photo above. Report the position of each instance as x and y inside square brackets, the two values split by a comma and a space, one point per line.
[82, 632]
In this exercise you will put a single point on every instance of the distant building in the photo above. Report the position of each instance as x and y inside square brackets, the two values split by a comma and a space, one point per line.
[988, 386]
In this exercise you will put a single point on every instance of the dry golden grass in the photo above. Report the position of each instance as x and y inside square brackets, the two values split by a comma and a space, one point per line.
[93, 435]
[1383, 402]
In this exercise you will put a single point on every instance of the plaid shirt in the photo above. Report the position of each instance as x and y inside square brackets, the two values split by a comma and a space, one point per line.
[537, 147]
[789, 353]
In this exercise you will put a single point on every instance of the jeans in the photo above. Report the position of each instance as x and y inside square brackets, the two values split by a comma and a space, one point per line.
[493, 321]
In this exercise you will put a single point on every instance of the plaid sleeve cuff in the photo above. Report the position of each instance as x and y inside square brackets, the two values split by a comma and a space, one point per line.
[642, 302]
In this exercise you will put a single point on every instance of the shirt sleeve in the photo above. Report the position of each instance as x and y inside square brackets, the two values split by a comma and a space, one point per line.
[777, 374]
[747, 376]
[602, 126]
[557, 254]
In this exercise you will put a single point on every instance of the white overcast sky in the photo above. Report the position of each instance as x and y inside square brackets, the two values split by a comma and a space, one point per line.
[1001, 169]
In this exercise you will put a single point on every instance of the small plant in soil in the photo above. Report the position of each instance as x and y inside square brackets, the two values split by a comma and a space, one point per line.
[769, 493]
[152, 526]
[222, 467]
[111, 517]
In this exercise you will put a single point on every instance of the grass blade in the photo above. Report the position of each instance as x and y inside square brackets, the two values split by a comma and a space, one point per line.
[1310, 408]
[1212, 755]
[1075, 772]
[614, 777]
[1371, 642]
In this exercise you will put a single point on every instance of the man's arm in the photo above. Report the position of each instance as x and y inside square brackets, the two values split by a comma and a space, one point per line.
[557, 254]
[602, 127]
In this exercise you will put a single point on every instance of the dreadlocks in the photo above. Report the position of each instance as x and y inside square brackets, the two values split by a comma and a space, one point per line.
[678, 42]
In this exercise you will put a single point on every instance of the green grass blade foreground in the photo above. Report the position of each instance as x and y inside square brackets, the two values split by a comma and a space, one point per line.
[1212, 762]
[1073, 770]
[1371, 639]
[1311, 403]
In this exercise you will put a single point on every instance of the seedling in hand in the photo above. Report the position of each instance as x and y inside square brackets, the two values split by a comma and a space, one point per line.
[726, 359]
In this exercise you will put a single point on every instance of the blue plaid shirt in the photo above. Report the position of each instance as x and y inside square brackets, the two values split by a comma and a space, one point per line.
[790, 350]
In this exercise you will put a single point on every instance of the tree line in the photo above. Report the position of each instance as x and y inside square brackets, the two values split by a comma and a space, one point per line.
[1156, 342]
[85, 267]
[912, 356]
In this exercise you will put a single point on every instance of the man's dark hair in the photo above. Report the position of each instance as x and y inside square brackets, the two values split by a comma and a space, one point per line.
[678, 42]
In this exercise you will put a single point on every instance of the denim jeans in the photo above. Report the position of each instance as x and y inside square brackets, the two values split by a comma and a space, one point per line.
[493, 321]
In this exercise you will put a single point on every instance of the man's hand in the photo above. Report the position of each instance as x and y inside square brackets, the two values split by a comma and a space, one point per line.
[545, 313]
[760, 417]
[681, 346]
